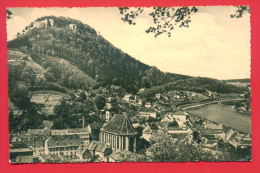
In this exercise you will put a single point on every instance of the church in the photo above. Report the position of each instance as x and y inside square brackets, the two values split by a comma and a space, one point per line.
[119, 133]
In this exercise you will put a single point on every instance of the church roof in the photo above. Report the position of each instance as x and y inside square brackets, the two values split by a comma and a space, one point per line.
[120, 125]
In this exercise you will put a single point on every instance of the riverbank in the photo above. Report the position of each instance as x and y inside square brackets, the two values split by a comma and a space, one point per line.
[222, 114]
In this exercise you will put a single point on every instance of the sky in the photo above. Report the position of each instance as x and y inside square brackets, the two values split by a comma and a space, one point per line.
[214, 45]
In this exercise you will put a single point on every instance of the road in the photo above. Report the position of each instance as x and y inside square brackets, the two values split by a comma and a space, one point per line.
[185, 107]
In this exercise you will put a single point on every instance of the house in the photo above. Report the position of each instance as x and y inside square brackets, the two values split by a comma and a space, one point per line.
[72, 27]
[147, 133]
[83, 153]
[141, 90]
[180, 115]
[231, 134]
[209, 143]
[148, 105]
[119, 133]
[212, 126]
[136, 125]
[176, 131]
[179, 132]
[36, 142]
[241, 141]
[21, 153]
[214, 129]
[66, 145]
[128, 97]
[148, 114]
[158, 96]
[99, 148]
[140, 102]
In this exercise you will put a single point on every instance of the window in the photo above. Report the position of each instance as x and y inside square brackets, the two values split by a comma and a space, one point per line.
[117, 142]
[123, 143]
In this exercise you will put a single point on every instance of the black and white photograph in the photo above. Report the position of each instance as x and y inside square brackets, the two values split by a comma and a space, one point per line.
[129, 84]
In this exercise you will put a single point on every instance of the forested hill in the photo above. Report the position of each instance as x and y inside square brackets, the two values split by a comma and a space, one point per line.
[51, 36]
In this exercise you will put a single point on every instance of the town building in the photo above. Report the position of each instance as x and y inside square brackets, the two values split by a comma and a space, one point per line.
[36, 142]
[72, 27]
[147, 133]
[64, 145]
[83, 133]
[231, 134]
[148, 105]
[43, 23]
[83, 153]
[148, 114]
[21, 153]
[101, 149]
[128, 97]
[241, 141]
[119, 133]
[158, 96]
[176, 131]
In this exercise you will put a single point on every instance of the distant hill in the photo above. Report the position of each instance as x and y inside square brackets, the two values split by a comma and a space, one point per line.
[196, 84]
[89, 52]
[247, 80]
[80, 58]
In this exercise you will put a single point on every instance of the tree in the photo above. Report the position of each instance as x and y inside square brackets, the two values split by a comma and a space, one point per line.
[166, 149]
[82, 96]
[20, 96]
[100, 101]
[241, 10]
[9, 14]
[145, 82]
[166, 19]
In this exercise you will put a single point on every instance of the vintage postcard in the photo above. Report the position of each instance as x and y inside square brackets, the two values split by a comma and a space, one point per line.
[120, 84]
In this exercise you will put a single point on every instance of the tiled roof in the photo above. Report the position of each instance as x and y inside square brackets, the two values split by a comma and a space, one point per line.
[211, 125]
[120, 125]
[98, 146]
[66, 140]
[101, 146]
[69, 131]
[147, 129]
[78, 130]
[20, 150]
[173, 124]
[37, 132]
[16, 148]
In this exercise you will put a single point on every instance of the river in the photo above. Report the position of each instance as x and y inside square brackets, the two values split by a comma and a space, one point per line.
[223, 114]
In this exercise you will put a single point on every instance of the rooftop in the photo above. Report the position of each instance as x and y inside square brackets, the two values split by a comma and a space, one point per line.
[66, 140]
[98, 146]
[120, 125]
